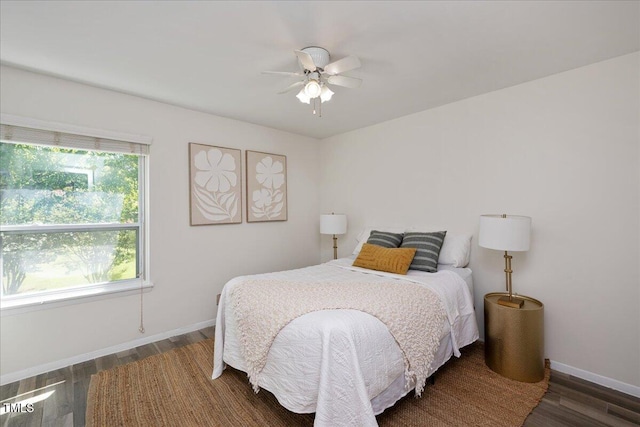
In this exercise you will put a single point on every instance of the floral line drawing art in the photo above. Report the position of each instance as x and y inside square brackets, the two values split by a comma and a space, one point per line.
[266, 187]
[267, 203]
[269, 173]
[216, 208]
[215, 187]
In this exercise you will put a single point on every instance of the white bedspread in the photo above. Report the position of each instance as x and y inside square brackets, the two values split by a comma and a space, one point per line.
[344, 365]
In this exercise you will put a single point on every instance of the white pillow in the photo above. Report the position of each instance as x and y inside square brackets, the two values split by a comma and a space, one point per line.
[364, 235]
[455, 250]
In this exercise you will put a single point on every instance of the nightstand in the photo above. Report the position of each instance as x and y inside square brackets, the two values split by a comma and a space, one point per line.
[514, 338]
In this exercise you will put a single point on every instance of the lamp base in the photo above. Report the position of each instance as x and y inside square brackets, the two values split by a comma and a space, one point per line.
[512, 302]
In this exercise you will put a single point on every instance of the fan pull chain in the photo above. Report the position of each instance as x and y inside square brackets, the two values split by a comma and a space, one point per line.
[317, 107]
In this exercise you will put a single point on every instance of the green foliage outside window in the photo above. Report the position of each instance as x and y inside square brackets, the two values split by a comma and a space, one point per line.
[56, 186]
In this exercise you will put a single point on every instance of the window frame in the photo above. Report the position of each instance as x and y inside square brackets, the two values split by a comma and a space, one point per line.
[82, 293]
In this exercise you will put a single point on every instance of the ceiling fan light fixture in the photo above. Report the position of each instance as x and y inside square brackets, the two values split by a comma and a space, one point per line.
[325, 94]
[312, 89]
[317, 73]
[303, 97]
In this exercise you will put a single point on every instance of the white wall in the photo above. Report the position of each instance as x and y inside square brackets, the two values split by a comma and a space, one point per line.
[563, 150]
[189, 265]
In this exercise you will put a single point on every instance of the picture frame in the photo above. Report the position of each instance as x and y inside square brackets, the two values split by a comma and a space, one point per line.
[215, 185]
[266, 178]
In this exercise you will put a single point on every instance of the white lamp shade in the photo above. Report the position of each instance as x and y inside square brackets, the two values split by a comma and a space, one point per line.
[302, 96]
[333, 224]
[326, 94]
[510, 233]
[312, 89]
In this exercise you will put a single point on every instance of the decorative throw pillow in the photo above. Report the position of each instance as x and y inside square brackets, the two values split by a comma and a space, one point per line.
[385, 239]
[391, 260]
[427, 246]
[366, 232]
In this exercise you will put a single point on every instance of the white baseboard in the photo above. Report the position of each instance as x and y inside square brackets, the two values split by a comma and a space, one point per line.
[59, 364]
[597, 379]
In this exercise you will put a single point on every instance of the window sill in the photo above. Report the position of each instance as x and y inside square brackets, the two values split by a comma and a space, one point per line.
[72, 296]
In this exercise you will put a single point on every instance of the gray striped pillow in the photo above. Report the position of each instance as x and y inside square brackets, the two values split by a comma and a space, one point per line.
[385, 239]
[427, 246]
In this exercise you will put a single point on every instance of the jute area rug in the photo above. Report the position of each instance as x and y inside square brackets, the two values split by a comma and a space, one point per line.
[175, 389]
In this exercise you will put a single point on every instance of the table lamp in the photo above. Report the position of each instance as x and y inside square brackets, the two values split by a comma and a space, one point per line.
[506, 233]
[333, 224]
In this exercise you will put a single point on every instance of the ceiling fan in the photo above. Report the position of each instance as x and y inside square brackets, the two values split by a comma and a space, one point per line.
[317, 73]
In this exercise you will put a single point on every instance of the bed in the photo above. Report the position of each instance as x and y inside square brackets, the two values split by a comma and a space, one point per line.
[344, 365]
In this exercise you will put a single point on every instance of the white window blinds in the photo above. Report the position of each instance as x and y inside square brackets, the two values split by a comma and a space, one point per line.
[25, 135]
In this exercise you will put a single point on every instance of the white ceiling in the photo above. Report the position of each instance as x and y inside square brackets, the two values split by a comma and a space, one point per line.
[208, 56]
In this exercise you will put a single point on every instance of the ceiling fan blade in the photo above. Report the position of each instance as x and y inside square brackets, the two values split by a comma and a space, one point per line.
[342, 65]
[350, 82]
[291, 87]
[306, 60]
[284, 73]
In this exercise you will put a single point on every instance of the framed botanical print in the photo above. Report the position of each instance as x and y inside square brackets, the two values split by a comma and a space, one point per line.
[266, 187]
[215, 187]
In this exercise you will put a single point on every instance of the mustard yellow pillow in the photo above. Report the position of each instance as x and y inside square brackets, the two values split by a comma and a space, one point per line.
[391, 260]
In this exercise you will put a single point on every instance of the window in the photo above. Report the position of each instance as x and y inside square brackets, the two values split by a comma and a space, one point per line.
[71, 214]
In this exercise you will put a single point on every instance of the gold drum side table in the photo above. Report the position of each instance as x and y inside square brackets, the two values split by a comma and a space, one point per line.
[514, 338]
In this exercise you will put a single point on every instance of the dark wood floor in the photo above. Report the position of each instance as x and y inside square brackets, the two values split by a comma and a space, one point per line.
[569, 402]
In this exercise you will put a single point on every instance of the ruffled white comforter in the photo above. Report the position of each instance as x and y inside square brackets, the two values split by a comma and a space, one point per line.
[344, 365]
